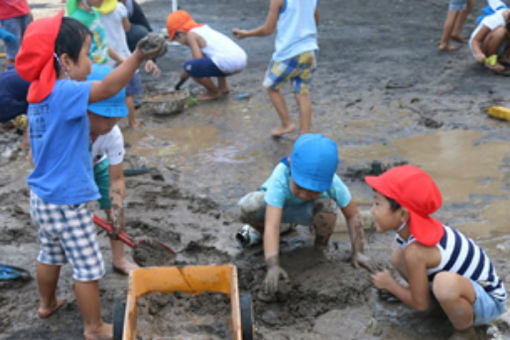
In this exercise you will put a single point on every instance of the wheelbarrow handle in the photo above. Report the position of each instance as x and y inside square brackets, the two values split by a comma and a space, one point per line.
[110, 230]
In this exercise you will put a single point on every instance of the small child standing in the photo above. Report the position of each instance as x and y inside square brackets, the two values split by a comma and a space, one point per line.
[294, 58]
[15, 16]
[116, 23]
[458, 11]
[303, 189]
[54, 57]
[214, 54]
[432, 257]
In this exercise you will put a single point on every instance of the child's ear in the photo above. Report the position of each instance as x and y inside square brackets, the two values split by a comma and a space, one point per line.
[404, 215]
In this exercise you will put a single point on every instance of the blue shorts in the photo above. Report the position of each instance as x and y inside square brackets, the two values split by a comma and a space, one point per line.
[486, 308]
[457, 5]
[67, 234]
[202, 68]
[298, 70]
[16, 26]
[134, 86]
[102, 178]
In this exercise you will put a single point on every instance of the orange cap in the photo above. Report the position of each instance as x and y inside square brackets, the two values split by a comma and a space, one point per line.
[179, 21]
[34, 61]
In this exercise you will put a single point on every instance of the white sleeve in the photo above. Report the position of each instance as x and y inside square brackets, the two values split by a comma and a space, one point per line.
[123, 13]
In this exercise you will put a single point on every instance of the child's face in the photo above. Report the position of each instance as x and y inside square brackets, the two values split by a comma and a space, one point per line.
[80, 69]
[385, 218]
[181, 38]
[100, 125]
[302, 193]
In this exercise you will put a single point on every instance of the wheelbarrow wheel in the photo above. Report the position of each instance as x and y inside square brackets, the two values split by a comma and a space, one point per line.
[119, 309]
[248, 331]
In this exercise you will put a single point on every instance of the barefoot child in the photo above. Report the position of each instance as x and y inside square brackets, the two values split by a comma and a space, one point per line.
[303, 189]
[108, 154]
[457, 13]
[294, 58]
[214, 54]
[433, 258]
[54, 57]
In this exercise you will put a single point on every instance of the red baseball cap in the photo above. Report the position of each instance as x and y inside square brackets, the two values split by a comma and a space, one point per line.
[34, 61]
[180, 21]
[413, 189]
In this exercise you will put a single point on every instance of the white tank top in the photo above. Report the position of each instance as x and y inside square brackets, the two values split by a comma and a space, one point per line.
[226, 54]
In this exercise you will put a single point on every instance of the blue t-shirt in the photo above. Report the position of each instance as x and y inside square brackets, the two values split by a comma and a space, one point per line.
[61, 147]
[278, 193]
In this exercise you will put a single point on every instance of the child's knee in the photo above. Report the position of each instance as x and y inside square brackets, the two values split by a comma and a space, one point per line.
[252, 207]
[444, 286]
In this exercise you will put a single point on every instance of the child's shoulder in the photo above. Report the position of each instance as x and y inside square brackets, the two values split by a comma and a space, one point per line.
[417, 253]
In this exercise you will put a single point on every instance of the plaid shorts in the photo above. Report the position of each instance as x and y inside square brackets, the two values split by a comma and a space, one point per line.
[298, 69]
[67, 233]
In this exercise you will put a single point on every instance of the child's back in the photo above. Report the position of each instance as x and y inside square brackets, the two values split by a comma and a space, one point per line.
[296, 29]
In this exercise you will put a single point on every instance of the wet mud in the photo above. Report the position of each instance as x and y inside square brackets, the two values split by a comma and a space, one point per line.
[381, 90]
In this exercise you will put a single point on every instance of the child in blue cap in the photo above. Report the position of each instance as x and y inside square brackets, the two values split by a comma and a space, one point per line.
[303, 189]
[108, 155]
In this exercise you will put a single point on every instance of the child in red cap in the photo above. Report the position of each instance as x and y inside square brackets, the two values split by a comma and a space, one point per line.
[54, 57]
[433, 257]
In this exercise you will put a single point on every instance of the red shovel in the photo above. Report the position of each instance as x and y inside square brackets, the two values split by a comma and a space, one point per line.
[146, 252]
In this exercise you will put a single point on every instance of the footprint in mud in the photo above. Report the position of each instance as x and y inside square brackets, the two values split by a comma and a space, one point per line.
[194, 253]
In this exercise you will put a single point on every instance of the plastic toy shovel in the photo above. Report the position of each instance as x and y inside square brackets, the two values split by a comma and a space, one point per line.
[146, 252]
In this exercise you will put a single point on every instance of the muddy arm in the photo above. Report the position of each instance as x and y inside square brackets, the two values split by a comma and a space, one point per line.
[272, 232]
[355, 227]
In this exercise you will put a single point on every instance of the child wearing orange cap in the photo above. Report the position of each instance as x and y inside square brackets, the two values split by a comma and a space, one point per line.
[54, 57]
[294, 57]
[214, 54]
[434, 259]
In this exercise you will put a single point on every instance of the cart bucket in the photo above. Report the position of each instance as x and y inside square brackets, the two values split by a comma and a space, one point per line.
[194, 280]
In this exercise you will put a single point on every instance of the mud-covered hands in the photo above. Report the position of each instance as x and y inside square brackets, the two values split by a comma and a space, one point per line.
[382, 279]
[151, 67]
[355, 227]
[273, 276]
[152, 46]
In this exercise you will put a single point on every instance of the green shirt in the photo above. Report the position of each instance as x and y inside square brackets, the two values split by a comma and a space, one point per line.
[98, 48]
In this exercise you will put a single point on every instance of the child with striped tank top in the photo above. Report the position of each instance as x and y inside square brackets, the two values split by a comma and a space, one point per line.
[433, 258]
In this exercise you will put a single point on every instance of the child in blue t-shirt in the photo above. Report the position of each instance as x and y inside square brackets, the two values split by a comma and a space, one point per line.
[54, 57]
[303, 189]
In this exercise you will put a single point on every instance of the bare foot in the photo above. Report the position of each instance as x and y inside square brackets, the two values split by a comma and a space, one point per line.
[124, 266]
[458, 38]
[225, 90]
[448, 48]
[468, 334]
[44, 313]
[283, 130]
[496, 68]
[104, 332]
[203, 96]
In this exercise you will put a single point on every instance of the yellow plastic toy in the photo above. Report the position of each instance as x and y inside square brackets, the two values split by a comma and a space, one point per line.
[492, 60]
[499, 112]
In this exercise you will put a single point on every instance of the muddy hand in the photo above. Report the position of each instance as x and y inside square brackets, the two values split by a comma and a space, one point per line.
[118, 219]
[361, 260]
[273, 276]
[152, 46]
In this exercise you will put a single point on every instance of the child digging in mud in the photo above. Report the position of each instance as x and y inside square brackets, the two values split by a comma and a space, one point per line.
[54, 57]
[294, 58]
[214, 54]
[303, 189]
[432, 257]
[108, 155]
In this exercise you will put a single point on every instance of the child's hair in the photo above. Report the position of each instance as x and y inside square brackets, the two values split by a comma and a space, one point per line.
[70, 40]
[394, 206]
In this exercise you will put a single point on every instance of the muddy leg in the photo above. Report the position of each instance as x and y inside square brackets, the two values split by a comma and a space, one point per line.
[286, 126]
[47, 279]
[305, 112]
[324, 221]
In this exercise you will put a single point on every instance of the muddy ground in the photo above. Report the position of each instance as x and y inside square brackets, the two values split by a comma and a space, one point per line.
[381, 90]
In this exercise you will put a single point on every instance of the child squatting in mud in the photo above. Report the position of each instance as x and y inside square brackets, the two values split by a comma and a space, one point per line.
[54, 57]
[433, 257]
[303, 189]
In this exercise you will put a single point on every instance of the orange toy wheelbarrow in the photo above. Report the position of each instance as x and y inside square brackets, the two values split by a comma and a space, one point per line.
[194, 280]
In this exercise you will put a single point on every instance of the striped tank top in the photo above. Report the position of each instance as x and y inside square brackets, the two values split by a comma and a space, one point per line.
[461, 255]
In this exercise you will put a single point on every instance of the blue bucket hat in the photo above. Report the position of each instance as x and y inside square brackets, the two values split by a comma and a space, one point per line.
[113, 107]
[313, 162]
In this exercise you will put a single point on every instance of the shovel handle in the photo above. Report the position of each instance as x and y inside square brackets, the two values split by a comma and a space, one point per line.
[110, 230]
